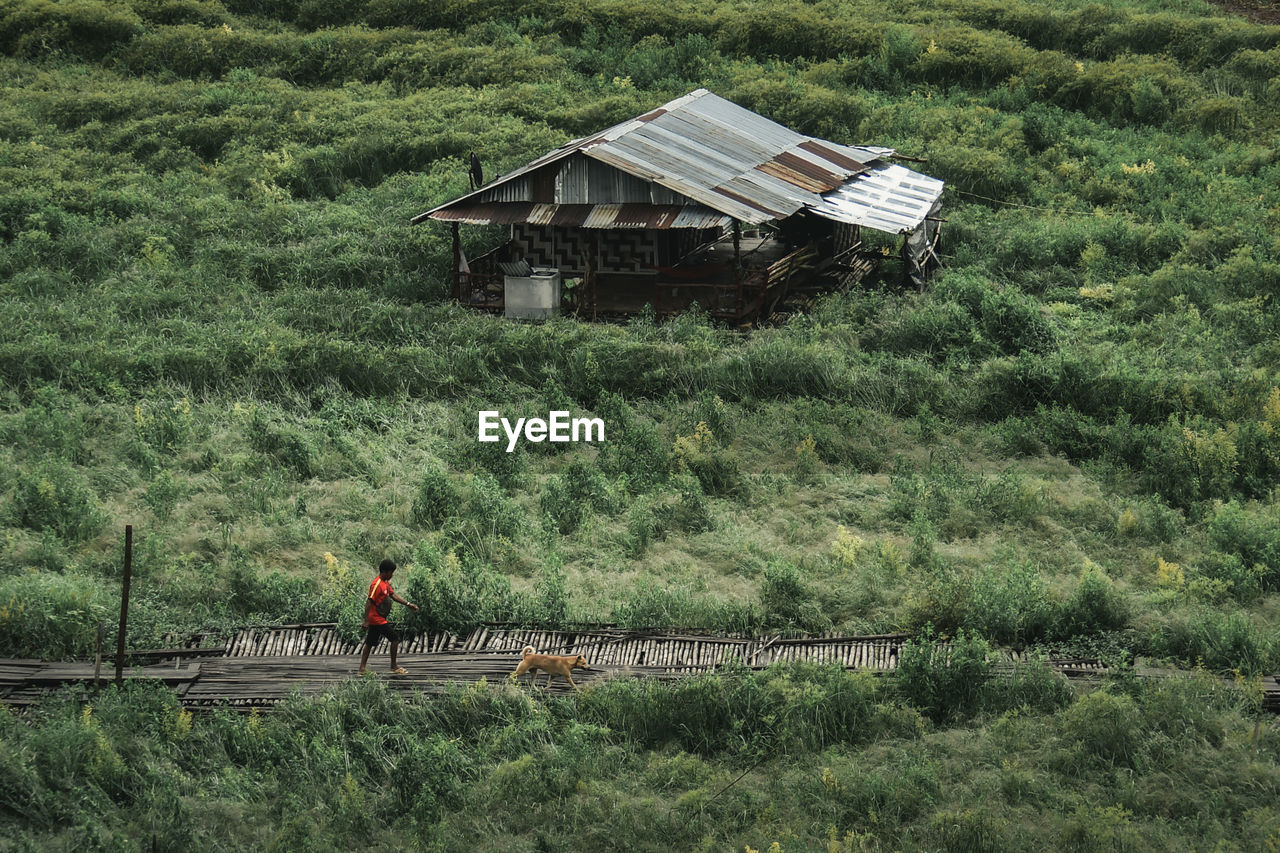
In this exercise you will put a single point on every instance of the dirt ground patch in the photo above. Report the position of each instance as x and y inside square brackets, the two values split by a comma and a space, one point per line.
[1254, 10]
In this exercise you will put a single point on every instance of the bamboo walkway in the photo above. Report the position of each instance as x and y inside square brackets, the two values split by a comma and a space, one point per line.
[256, 668]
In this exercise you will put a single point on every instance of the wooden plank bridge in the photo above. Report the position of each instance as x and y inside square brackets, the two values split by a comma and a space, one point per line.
[256, 668]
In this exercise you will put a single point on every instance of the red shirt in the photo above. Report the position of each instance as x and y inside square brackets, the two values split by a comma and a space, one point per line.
[379, 591]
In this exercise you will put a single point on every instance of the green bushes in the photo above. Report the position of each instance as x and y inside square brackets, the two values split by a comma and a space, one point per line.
[947, 495]
[55, 497]
[51, 616]
[436, 499]
[452, 597]
[944, 681]
[788, 601]
[652, 605]
[571, 497]
[800, 708]
[634, 449]
[967, 318]
[1011, 604]
[1095, 605]
[1252, 536]
[282, 444]
[84, 27]
[1106, 727]
[273, 597]
[1217, 641]
[715, 468]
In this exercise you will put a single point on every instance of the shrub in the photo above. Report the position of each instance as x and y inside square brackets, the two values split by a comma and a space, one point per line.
[272, 597]
[54, 497]
[52, 423]
[343, 593]
[550, 604]
[1105, 726]
[1253, 536]
[1009, 321]
[650, 605]
[780, 709]
[1217, 641]
[787, 600]
[1096, 605]
[436, 499]
[571, 497]
[1217, 577]
[715, 468]
[84, 27]
[509, 469]
[429, 777]
[50, 616]
[634, 448]
[1034, 686]
[690, 511]
[944, 680]
[164, 427]
[451, 597]
[970, 830]
[643, 528]
[1100, 827]
[1191, 709]
[163, 495]
[489, 512]
[283, 444]
[1011, 605]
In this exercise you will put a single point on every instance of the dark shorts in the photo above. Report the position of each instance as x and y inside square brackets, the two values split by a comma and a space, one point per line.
[374, 632]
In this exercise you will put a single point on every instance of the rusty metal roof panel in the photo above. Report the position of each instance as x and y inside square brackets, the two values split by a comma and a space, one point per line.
[802, 175]
[629, 216]
[778, 195]
[639, 216]
[485, 213]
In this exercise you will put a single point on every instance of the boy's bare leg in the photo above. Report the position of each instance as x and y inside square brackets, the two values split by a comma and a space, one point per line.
[364, 657]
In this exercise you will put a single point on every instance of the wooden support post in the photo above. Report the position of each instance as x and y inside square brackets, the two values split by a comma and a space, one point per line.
[97, 659]
[457, 263]
[124, 601]
[737, 269]
[593, 267]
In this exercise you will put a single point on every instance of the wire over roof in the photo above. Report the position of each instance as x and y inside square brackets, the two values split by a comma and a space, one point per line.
[713, 158]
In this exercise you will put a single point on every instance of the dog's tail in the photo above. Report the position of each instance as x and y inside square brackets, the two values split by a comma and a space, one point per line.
[529, 650]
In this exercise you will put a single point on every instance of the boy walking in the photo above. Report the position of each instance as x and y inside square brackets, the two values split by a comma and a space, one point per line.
[377, 606]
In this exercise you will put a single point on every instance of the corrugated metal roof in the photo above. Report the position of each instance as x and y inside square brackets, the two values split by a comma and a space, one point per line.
[641, 216]
[706, 151]
[888, 198]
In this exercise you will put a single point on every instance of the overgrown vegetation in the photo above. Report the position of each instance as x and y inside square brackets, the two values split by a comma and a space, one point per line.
[218, 326]
[819, 756]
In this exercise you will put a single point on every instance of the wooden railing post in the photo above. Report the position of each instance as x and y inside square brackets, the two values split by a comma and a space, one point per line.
[124, 601]
[457, 263]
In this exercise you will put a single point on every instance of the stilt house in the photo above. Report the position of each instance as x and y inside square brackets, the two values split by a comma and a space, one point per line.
[699, 201]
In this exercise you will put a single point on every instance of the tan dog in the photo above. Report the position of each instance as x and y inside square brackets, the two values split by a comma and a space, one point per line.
[552, 665]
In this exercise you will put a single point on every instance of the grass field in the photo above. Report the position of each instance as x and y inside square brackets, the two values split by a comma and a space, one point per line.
[218, 326]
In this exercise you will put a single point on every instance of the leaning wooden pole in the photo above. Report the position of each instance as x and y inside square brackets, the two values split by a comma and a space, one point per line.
[124, 601]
